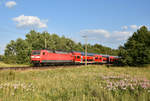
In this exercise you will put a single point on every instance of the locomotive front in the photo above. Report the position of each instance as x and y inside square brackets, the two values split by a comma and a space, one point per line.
[35, 56]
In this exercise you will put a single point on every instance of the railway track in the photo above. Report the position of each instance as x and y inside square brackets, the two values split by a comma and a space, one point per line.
[43, 67]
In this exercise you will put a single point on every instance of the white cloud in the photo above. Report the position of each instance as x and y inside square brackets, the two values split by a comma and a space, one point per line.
[2, 48]
[30, 22]
[113, 38]
[120, 35]
[134, 27]
[10, 4]
[124, 27]
[143, 25]
[96, 32]
[106, 35]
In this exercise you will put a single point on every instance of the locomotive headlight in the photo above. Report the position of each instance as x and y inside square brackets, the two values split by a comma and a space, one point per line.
[37, 57]
[32, 56]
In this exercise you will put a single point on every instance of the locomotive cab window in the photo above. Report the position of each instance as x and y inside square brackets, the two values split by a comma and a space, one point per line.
[96, 58]
[36, 53]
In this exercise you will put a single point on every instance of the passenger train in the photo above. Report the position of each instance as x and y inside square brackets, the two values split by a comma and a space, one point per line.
[47, 57]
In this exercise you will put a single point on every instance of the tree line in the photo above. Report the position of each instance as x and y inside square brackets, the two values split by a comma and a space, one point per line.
[19, 51]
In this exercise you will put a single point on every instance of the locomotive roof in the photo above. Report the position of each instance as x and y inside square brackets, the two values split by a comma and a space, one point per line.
[88, 54]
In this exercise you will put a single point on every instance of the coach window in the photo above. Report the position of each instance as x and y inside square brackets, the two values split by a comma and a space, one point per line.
[43, 53]
[75, 57]
[78, 57]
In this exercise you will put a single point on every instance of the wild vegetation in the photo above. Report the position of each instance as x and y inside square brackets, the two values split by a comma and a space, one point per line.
[2, 64]
[91, 83]
[1, 57]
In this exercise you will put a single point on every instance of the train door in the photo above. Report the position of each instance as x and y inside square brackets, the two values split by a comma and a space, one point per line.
[77, 59]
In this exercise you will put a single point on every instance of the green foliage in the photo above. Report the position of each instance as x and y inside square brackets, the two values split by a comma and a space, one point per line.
[136, 51]
[19, 51]
[2, 64]
[1, 57]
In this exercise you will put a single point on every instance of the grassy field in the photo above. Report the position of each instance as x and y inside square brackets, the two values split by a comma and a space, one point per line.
[2, 64]
[91, 83]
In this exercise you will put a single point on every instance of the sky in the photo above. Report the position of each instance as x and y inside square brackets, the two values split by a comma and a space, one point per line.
[106, 22]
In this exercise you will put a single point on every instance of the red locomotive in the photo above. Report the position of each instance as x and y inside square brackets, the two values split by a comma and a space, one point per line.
[42, 57]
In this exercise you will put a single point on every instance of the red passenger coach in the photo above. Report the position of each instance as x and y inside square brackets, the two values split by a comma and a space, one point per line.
[79, 58]
[50, 57]
[98, 59]
[113, 59]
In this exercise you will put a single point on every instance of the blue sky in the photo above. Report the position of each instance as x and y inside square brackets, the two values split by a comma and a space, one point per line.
[106, 22]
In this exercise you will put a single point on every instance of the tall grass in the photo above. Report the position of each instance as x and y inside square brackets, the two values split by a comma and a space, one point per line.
[2, 64]
[91, 83]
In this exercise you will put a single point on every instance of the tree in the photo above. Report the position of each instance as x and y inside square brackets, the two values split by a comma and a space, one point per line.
[10, 52]
[17, 52]
[136, 51]
[34, 40]
[1, 57]
[22, 51]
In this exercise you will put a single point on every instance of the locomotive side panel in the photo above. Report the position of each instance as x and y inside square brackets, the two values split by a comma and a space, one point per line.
[52, 57]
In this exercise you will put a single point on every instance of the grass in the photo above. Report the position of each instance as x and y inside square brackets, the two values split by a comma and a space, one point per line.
[2, 64]
[91, 83]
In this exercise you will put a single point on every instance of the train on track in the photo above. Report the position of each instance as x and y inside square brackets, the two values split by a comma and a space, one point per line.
[47, 57]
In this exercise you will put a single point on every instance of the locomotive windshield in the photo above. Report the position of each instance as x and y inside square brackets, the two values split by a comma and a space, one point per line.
[36, 53]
